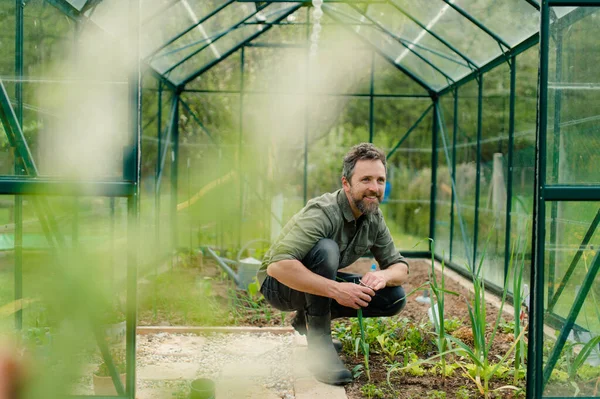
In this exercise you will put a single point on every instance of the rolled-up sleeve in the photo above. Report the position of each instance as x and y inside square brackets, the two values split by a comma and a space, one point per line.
[384, 250]
[301, 234]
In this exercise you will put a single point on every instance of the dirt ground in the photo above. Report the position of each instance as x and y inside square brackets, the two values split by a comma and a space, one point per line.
[405, 386]
[255, 312]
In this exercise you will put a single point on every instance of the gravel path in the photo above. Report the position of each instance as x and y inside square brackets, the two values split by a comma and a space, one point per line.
[243, 365]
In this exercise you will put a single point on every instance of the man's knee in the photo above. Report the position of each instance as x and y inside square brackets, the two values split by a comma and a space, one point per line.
[323, 258]
[397, 298]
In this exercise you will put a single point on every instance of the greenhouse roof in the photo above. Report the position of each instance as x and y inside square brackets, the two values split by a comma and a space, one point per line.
[437, 43]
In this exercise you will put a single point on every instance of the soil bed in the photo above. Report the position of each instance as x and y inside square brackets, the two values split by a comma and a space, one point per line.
[428, 385]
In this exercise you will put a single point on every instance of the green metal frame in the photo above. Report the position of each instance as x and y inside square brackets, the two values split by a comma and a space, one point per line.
[189, 29]
[409, 131]
[18, 213]
[130, 189]
[402, 42]
[456, 199]
[384, 55]
[453, 175]
[552, 193]
[434, 161]
[216, 39]
[477, 23]
[469, 61]
[231, 51]
[509, 178]
[478, 169]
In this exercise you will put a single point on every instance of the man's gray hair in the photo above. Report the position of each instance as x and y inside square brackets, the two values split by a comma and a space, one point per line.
[362, 151]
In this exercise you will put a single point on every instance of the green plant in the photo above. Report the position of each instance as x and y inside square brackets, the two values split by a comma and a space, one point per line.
[451, 325]
[482, 370]
[364, 345]
[436, 394]
[118, 359]
[463, 393]
[439, 291]
[371, 391]
[517, 329]
[574, 361]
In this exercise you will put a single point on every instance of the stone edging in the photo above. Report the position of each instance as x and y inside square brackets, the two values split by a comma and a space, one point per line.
[142, 330]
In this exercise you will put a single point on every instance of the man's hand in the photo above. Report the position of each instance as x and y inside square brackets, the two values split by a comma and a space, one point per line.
[374, 280]
[353, 295]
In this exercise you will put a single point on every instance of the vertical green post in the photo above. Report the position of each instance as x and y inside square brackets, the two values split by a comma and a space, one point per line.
[555, 161]
[509, 178]
[453, 177]
[135, 118]
[478, 168]
[536, 313]
[241, 145]
[306, 119]
[158, 246]
[434, 162]
[174, 173]
[18, 215]
[371, 102]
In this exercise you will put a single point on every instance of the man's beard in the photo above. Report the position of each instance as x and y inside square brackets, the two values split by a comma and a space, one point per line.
[366, 207]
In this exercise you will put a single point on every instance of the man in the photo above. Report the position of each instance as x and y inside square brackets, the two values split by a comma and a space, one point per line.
[300, 270]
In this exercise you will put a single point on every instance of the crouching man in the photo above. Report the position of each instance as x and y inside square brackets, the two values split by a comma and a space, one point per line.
[300, 270]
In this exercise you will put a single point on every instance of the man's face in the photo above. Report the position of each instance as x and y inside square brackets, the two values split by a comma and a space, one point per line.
[366, 186]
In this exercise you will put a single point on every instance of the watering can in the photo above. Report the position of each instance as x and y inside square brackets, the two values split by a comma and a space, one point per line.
[247, 268]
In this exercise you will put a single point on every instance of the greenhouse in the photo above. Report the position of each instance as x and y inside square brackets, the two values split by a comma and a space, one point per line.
[150, 145]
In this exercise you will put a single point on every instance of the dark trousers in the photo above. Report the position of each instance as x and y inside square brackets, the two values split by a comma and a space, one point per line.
[323, 259]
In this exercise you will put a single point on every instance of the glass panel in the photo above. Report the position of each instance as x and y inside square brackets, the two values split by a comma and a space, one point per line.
[512, 20]
[409, 169]
[274, 129]
[162, 25]
[390, 80]
[224, 44]
[456, 29]
[524, 153]
[203, 36]
[276, 70]
[563, 240]
[395, 51]
[573, 101]
[443, 194]
[7, 71]
[418, 40]
[494, 172]
[466, 157]
[223, 76]
[70, 132]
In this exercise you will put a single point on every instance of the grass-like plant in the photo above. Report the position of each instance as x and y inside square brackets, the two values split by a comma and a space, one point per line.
[518, 293]
[364, 345]
[483, 369]
[438, 288]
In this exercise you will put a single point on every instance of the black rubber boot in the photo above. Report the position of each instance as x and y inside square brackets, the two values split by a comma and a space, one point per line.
[324, 362]
[299, 324]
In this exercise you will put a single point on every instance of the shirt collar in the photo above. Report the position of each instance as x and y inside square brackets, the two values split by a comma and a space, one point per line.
[342, 200]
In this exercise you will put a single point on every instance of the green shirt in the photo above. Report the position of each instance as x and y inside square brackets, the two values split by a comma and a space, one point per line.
[330, 216]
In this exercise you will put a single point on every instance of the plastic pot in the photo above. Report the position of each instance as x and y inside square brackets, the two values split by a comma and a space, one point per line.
[202, 388]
